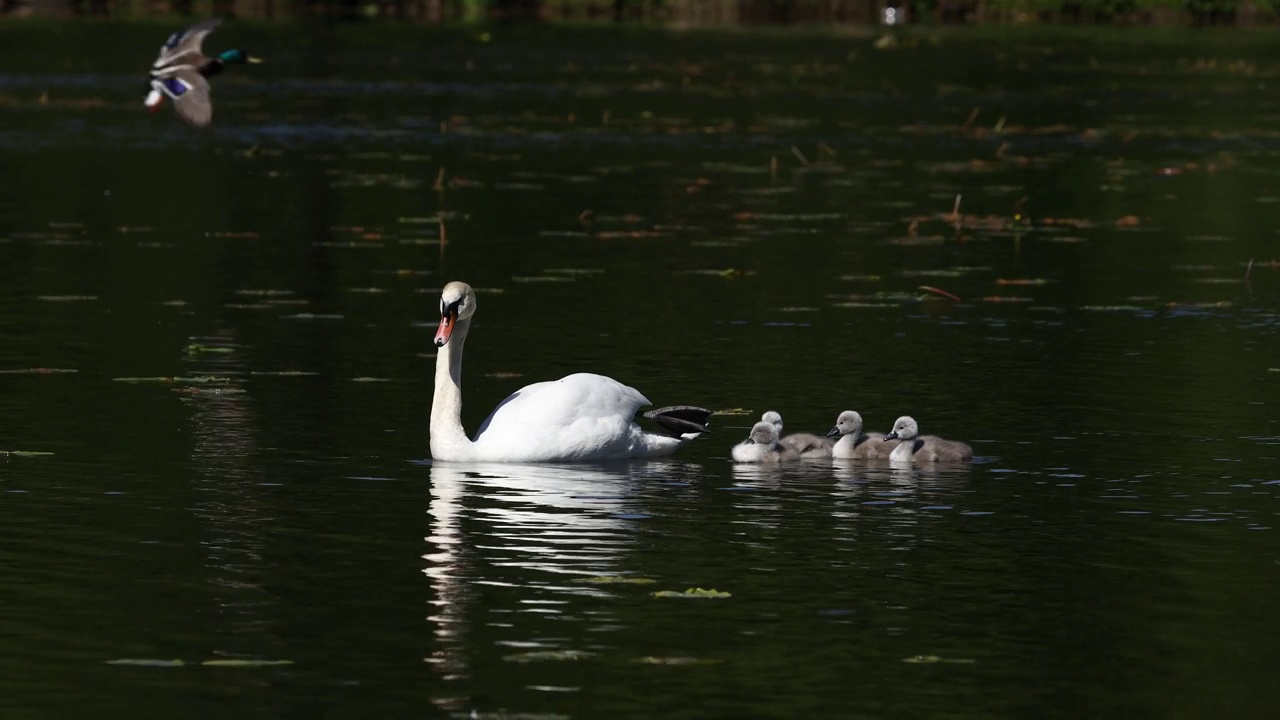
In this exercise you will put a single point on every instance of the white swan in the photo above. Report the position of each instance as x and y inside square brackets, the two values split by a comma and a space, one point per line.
[578, 418]
[927, 448]
[854, 443]
[805, 444]
[762, 446]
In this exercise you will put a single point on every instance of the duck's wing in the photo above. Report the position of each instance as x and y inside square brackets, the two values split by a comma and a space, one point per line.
[184, 42]
[190, 93]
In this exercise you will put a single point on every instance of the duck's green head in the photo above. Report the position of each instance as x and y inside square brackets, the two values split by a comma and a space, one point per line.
[237, 56]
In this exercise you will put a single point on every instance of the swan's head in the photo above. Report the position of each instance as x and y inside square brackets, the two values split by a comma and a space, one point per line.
[904, 429]
[457, 302]
[763, 433]
[849, 423]
[773, 419]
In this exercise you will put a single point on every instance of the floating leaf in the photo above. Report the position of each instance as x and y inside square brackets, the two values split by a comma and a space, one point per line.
[691, 593]
[264, 293]
[244, 663]
[196, 348]
[537, 655]
[934, 659]
[726, 273]
[285, 373]
[655, 660]
[194, 379]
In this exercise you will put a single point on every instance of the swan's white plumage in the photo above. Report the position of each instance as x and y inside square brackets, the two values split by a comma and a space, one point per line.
[579, 418]
[582, 416]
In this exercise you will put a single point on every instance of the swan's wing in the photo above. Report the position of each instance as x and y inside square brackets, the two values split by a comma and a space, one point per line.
[184, 42]
[582, 415]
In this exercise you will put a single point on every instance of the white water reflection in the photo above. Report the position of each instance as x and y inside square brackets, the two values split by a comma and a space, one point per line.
[541, 531]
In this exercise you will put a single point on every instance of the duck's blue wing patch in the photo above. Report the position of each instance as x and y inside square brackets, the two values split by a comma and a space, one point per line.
[174, 86]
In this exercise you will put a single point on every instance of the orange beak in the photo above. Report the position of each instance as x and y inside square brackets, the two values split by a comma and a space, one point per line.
[446, 329]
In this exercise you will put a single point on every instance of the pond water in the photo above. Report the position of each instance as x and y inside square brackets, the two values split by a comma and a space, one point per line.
[218, 349]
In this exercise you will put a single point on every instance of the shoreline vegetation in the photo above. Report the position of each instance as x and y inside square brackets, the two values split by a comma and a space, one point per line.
[679, 13]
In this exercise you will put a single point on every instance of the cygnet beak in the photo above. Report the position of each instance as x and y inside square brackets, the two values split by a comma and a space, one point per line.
[833, 432]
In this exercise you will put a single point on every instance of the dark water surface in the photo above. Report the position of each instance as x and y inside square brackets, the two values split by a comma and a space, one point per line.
[216, 375]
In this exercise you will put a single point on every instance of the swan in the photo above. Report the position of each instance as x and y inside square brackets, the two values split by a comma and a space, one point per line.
[805, 444]
[578, 418]
[928, 448]
[762, 446]
[854, 443]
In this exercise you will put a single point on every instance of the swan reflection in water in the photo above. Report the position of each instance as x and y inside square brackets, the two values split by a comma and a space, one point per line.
[534, 528]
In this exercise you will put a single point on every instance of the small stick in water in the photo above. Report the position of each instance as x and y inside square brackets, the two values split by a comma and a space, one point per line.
[936, 291]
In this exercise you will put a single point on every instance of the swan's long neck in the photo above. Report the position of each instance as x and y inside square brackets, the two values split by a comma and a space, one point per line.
[448, 440]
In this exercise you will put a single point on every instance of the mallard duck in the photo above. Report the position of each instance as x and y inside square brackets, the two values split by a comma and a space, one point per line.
[180, 70]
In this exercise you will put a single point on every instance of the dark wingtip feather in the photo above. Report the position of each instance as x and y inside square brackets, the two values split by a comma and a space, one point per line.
[677, 420]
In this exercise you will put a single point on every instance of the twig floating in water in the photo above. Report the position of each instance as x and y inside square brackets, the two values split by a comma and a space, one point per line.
[936, 291]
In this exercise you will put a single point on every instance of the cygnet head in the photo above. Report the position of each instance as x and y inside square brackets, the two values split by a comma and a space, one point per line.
[849, 423]
[773, 419]
[904, 428]
[763, 433]
[457, 302]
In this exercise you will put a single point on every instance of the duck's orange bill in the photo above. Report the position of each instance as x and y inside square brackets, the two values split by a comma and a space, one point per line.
[445, 330]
